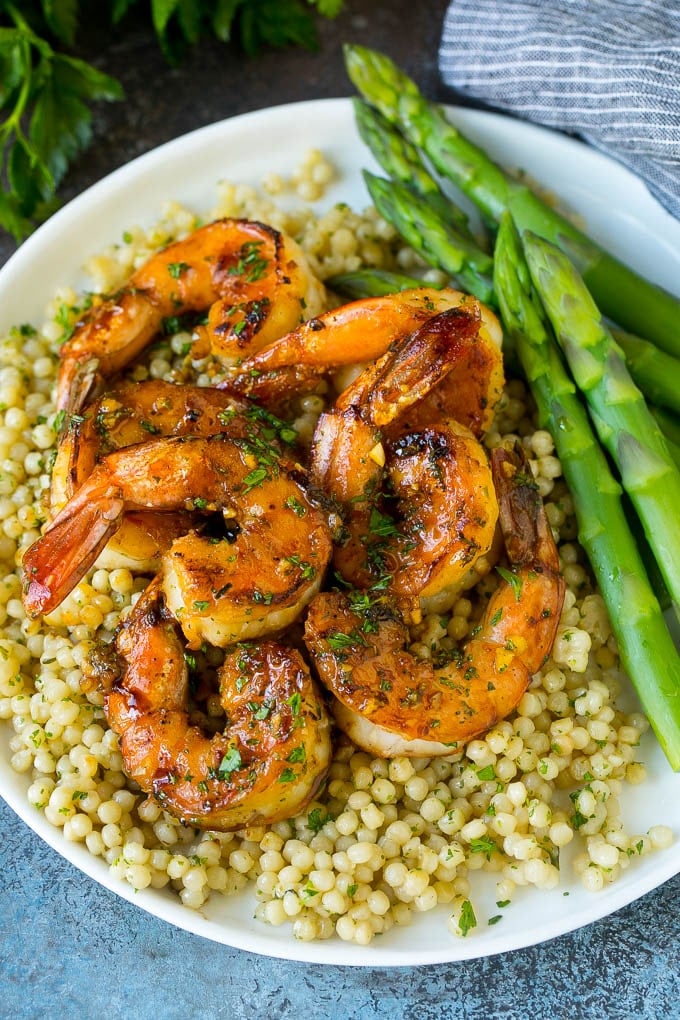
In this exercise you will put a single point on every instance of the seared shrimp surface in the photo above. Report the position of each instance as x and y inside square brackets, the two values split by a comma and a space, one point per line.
[361, 332]
[250, 576]
[419, 502]
[264, 765]
[132, 412]
[255, 281]
[391, 703]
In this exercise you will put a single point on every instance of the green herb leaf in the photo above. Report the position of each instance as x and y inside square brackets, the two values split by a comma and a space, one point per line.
[223, 18]
[231, 762]
[467, 920]
[45, 97]
[316, 819]
[276, 23]
[62, 18]
[254, 478]
[484, 845]
[513, 580]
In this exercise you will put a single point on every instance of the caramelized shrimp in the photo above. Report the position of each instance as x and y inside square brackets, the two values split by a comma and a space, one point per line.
[131, 413]
[251, 575]
[439, 513]
[362, 331]
[255, 282]
[272, 754]
[391, 703]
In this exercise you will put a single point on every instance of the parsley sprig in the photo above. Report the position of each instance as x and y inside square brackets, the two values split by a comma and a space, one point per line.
[46, 94]
[46, 121]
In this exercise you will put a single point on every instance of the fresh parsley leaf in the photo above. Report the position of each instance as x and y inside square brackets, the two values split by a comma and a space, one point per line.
[316, 820]
[62, 18]
[513, 580]
[276, 23]
[46, 95]
[44, 99]
[231, 762]
[467, 920]
[328, 8]
[484, 845]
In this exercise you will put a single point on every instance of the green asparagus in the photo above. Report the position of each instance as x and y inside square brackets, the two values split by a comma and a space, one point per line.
[655, 372]
[365, 283]
[401, 161]
[670, 426]
[646, 646]
[625, 297]
[618, 409]
[439, 243]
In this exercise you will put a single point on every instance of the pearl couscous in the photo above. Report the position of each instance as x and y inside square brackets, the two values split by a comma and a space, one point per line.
[386, 839]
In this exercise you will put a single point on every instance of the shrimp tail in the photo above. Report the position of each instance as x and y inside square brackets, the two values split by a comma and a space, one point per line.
[80, 382]
[411, 369]
[55, 564]
[521, 516]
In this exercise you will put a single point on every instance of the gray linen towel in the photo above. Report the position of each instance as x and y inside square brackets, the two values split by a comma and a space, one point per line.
[606, 70]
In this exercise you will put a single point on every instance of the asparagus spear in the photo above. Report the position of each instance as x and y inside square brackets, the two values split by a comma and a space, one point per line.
[646, 646]
[670, 426]
[655, 372]
[623, 295]
[439, 243]
[401, 161]
[667, 422]
[363, 283]
[618, 409]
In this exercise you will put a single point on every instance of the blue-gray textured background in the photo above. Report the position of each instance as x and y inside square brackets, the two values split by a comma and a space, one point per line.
[71, 949]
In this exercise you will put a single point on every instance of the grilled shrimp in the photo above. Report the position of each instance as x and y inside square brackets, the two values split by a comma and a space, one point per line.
[361, 332]
[272, 754]
[250, 576]
[130, 413]
[391, 703]
[439, 514]
[255, 281]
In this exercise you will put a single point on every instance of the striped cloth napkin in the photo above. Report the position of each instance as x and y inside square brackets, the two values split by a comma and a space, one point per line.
[605, 70]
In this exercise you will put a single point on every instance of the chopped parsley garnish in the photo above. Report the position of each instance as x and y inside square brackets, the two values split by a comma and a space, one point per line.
[262, 711]
[254, 478]
[316, 819]
[295, 702]
[177, 268]
[467, 920]
[307, 571]
[149, 427]
[231, 762]
[381, 524]
[484, 845]
[296, 506]
[513, 580]
[250, 263]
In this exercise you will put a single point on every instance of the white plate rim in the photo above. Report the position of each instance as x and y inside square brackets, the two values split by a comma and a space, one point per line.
[316, 116]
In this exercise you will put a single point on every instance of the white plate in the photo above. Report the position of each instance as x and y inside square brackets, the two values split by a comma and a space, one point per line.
[619, 212]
